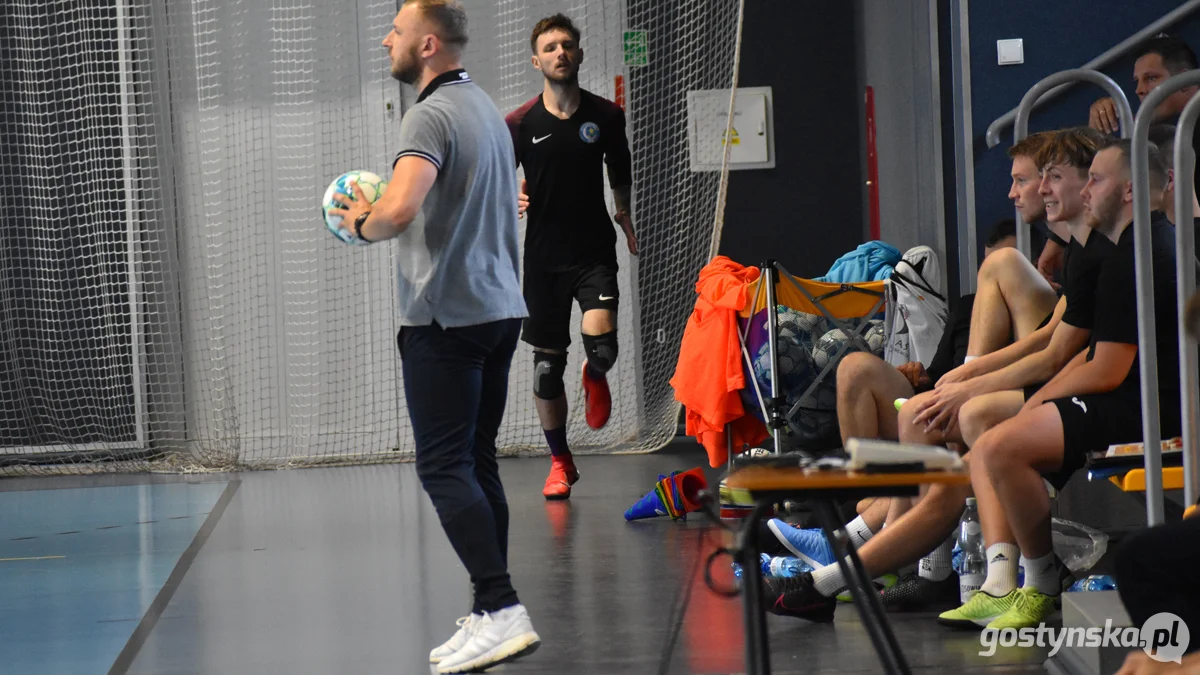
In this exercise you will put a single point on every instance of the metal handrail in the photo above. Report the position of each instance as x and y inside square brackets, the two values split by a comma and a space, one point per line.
[1116, 52]
[1039, 91]
[1185, 245]
[1147, 347]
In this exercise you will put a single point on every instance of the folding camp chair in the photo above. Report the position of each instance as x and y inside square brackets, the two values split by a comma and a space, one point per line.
[848, 308]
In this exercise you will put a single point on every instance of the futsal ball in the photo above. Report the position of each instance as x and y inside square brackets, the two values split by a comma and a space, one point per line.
[372, 187]
[875, 337]
[809, 323]
[826, 349]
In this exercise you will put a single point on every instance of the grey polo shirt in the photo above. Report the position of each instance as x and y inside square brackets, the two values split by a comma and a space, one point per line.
[459, 258]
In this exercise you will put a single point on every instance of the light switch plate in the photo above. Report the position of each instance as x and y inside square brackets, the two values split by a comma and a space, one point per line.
[1010, 52]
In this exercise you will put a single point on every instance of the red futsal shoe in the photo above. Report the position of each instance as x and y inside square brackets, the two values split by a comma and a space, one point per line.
[563, 475]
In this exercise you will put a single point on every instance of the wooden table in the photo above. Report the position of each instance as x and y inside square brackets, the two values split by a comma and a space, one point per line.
[825, 488]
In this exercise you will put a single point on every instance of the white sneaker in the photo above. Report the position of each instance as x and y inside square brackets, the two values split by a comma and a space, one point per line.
[498, 637]
[455, 643]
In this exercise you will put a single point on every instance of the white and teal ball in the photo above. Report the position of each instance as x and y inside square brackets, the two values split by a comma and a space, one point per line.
[875, 337]
[809, 323]
[372, 187]
[825, 351]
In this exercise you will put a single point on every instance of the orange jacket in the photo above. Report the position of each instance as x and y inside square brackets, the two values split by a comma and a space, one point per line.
[709, 373]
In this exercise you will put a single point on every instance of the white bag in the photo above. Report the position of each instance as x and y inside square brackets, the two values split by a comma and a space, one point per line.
[916, 308]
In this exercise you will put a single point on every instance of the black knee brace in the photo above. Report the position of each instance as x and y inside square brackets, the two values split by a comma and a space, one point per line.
[548, 368]
[601, 351]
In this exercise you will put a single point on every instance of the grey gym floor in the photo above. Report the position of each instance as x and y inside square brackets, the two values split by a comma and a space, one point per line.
[345, 570]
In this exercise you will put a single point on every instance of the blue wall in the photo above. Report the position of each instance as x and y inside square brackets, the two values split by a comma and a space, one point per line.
[1057, 36]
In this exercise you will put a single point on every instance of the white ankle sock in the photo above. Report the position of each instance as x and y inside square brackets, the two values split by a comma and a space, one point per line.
[1002, 569]
[1042, 574]
[936, 566]
[969, 359]
[828, 579]
[859, 532]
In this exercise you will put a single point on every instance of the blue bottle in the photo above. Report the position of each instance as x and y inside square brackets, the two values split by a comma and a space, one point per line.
[764, 562]
[785, 567]
[1096, 582]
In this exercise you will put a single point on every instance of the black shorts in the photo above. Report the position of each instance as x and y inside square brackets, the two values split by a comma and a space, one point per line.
[548, 297]
[1012, 334]
[1046, 321]
[1032, 389]
[1092, 422]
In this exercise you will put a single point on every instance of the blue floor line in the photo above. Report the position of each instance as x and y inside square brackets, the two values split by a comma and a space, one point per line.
[79, 568]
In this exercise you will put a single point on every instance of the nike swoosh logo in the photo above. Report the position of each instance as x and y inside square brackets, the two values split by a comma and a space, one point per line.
[606, 297]
[780, 604]
[539, 140]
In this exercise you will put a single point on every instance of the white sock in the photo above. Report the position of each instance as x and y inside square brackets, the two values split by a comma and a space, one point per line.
[859, 532]
[1002, 569]
[936, 566]
[828, 579]
[1042, 574]
[968, 359]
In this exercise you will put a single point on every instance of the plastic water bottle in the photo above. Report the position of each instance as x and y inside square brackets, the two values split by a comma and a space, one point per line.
[785, 567]
[764, 562]
[1096, 582]
[974, 556]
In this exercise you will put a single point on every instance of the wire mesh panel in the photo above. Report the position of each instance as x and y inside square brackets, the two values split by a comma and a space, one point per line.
[169, 297]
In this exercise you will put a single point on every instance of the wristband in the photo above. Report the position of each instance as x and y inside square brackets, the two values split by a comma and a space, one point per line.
[358, 224]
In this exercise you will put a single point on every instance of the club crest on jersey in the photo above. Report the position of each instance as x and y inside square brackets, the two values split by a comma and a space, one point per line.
[589, 132]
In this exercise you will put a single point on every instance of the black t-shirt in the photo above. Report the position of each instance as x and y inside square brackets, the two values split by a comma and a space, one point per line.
[569, 224]
[1081, 271]
[1116, 305]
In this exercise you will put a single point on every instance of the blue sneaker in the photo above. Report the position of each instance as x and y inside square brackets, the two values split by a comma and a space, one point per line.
[808, 545]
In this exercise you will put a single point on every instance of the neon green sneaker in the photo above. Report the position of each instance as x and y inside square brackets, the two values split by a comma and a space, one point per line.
[980, 610]
[1031, 608]
[880, 583]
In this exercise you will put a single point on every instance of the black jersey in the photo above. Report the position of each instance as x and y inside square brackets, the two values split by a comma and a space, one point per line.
[1116, 305]
[1081, 272]
[569, 223]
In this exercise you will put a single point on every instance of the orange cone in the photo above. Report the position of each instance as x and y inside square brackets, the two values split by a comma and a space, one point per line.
[676, 496]
[687, 485]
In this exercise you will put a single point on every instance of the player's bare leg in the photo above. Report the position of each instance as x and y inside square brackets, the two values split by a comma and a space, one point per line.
[867, 388]
[1013, 298]
[599, 340]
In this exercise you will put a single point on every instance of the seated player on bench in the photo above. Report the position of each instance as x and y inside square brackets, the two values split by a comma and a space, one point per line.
[867, 390]
[930, 525]
[1094, 402]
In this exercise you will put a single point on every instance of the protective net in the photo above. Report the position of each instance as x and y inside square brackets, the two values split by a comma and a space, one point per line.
[169, 297]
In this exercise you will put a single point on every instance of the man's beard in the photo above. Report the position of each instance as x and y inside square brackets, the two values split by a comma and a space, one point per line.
[569, 79]
[1102, 217]
[408, 70]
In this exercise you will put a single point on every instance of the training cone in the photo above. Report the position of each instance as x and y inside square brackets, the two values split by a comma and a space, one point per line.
[687, 485]
[675, 496]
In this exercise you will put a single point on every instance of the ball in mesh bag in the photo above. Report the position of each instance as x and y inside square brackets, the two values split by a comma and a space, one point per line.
[825, 351]
[795, 362]
[875, 337]
[372, 187]
[808, 323]
[826, 394]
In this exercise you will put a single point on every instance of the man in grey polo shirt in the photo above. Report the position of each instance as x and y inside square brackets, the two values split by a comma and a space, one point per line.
[451, 203]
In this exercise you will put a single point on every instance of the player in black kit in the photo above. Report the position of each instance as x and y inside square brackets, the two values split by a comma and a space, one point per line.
[562, 138]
